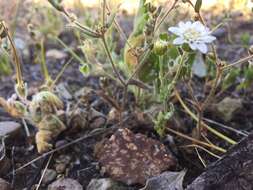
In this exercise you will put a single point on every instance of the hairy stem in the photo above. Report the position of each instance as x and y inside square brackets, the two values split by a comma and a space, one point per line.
[111, 61]
[43, 63]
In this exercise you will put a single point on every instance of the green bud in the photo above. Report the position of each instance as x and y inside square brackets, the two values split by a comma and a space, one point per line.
[211, 56]
[186, 48]
[197, 6]
[56, 4]
[160, 47]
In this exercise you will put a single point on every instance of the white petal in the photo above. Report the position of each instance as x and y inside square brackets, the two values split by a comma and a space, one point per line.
[202, 48]
[188, 24]
[193, 46]
[181, 24]
[197, 24]
[178, 41]
[208, 38]
[175, 30]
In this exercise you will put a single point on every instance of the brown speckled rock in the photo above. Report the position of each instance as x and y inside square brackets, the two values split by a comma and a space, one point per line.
[133, 158]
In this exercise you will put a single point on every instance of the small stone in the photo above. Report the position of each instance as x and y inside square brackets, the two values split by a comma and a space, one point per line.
[228, 107]
[220, 32]
[9, 128]
[63, 159]
[60, 168]
[113, 115]
[133, 158]
[49, 176]
[63, 92]
[60, 143]
[61, 163]
[98, 122]
[65, 184]
[55, 54]
[4, 185]
[95, 114]
[5, 165]
[105, 184]
[166, 181]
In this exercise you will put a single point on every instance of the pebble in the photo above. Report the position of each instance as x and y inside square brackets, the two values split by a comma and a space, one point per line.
[105, 184]
[49, 176]
[55, 54]
[65, 184]
[9, 128]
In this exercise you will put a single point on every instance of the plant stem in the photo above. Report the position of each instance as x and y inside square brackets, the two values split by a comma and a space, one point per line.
[204, 149]
[196, 141]
[229, 140]
[43, 63]
[243, 60]
[104, 13]
[213, 89]
[111, 61]
[20, 81]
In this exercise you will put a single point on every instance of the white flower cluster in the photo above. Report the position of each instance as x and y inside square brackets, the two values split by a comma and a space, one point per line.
[195, 34]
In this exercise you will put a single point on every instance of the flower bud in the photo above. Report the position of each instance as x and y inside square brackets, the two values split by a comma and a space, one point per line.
[151, 8]
[44, 102]
[21, 90]
[56, 4]
[251, 50]
[160, 47]
[211, 56]
[157, 12]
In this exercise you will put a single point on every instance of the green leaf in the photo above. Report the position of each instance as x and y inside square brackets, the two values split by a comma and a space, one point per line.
[230, 78]
[198, 6]
[164, 36]
[84, 69]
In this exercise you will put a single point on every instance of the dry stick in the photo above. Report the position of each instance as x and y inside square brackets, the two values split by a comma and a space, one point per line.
[202, 148]
[118, 27]
[165, 15]
[16, 59]
[13, 166]
[196, 141]
[243, 133]
[91, 134]
[229, 140]
[60, 73]
[243, 60]
[200, 158]
[44, 171]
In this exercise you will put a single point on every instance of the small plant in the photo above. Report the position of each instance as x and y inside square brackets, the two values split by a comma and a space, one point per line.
[41, 111]
[153, 64]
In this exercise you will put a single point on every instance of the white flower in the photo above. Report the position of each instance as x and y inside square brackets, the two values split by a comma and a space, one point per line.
[195, 34]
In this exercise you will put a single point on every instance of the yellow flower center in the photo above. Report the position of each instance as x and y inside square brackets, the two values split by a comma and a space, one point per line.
[191, 34]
